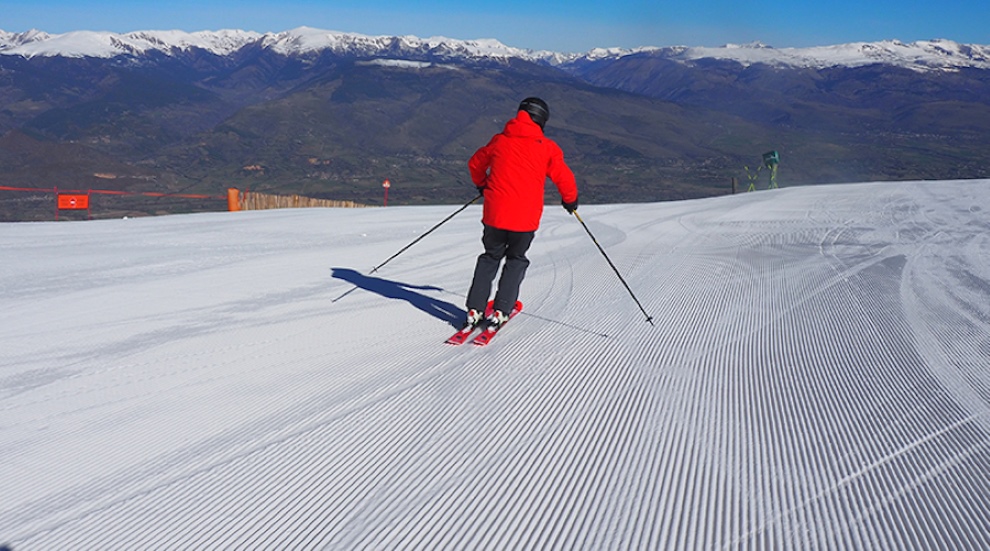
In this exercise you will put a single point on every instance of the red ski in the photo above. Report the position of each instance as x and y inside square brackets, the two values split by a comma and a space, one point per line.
[489, 333]
[461, 336]
[464, 334]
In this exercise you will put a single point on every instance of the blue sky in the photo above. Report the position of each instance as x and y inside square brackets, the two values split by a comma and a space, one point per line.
[559, 25]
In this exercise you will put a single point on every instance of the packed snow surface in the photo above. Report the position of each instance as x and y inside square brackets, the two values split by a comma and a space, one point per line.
[817, 378]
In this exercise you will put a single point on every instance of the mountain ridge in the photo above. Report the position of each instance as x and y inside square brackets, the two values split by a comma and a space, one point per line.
[332, 115]
[934, 54]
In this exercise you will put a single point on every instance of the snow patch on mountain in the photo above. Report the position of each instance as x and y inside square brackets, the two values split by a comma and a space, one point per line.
[404, 64]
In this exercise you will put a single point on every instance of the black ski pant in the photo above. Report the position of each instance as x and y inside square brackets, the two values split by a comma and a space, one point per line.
[499, 244]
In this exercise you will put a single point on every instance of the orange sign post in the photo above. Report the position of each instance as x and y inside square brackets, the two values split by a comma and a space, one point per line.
[386, 184]
[71, 201]
[68, 201]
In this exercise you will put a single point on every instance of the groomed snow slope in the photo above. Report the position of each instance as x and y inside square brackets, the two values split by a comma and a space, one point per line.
[817, 379]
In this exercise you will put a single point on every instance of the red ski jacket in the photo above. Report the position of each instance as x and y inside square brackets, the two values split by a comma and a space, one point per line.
[513, 169]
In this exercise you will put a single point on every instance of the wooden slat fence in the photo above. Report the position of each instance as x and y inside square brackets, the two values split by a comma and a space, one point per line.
[252, 200]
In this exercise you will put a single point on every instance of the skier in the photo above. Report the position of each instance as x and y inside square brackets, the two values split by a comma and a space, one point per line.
[511, 171]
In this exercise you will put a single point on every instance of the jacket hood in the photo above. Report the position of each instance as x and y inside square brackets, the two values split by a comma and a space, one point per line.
[523, 126]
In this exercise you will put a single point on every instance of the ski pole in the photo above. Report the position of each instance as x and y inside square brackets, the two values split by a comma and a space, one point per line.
[649, 318]
[417, 240]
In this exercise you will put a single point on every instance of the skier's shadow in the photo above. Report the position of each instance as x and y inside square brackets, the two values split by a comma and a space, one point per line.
[439, 309]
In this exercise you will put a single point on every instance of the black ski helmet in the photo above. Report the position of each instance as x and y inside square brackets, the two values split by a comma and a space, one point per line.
[537, 109]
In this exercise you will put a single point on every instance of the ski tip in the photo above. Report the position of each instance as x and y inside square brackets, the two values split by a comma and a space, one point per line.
[458, 338]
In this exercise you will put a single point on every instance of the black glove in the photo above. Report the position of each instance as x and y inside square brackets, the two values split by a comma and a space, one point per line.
[570, 207]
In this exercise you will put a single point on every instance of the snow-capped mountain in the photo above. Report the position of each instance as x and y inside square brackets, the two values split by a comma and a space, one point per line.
[324, 111]
[936, 54]
[300, 41]
[106, 45]
[920, 55]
